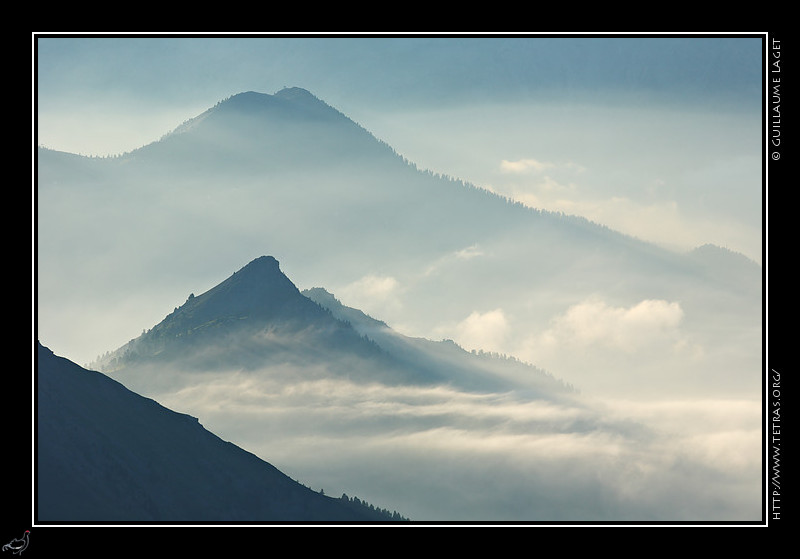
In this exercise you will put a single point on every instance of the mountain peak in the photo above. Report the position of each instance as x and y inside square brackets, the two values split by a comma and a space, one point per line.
[255, 297]
[257, 289]
[255, 317]
[263, 264]
[296, 93]
[252, 132]
[294, 101]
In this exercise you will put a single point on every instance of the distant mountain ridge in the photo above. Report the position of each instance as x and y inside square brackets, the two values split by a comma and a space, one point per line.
[289, 172]
[729, 267]
[257, 318]
[256, 131]
[287, 103]
[107, 455]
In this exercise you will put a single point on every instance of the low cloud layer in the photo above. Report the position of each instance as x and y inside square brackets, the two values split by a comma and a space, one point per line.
[438, 454]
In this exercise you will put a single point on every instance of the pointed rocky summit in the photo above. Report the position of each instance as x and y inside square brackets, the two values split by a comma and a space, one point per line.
[254, 317]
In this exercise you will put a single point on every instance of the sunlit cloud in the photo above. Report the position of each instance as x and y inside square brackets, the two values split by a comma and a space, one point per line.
[552, 186]
[602, 348]
[530, 166]
[595, 322]
[378, 287]
[481, 330]
[524, 166]
[372, 292]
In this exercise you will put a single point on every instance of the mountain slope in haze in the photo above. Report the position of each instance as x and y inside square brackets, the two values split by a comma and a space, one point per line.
[731, 269]
[289, 165]
[253, 319]
[258, 321]
[432, 356]
[106, 454]
[289, 172]
[253, 132]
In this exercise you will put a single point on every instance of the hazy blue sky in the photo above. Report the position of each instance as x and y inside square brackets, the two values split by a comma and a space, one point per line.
[656, 136]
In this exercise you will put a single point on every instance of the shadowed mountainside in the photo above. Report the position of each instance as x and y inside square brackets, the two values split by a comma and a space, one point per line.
[106, 454]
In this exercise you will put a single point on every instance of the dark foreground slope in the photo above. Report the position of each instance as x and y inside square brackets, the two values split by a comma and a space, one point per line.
[105, 453]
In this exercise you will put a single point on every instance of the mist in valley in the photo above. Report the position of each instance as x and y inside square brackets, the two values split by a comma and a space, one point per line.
[438, 453]
[591, 254]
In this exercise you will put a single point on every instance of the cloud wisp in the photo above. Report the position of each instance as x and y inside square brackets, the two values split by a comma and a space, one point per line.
[524, 165]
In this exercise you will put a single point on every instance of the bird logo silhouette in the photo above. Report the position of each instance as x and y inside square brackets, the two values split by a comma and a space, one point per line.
[17, 546]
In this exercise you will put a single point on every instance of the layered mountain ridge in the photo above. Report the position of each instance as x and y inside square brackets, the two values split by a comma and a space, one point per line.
[257, 320]
[308, 380]
[288, 172]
